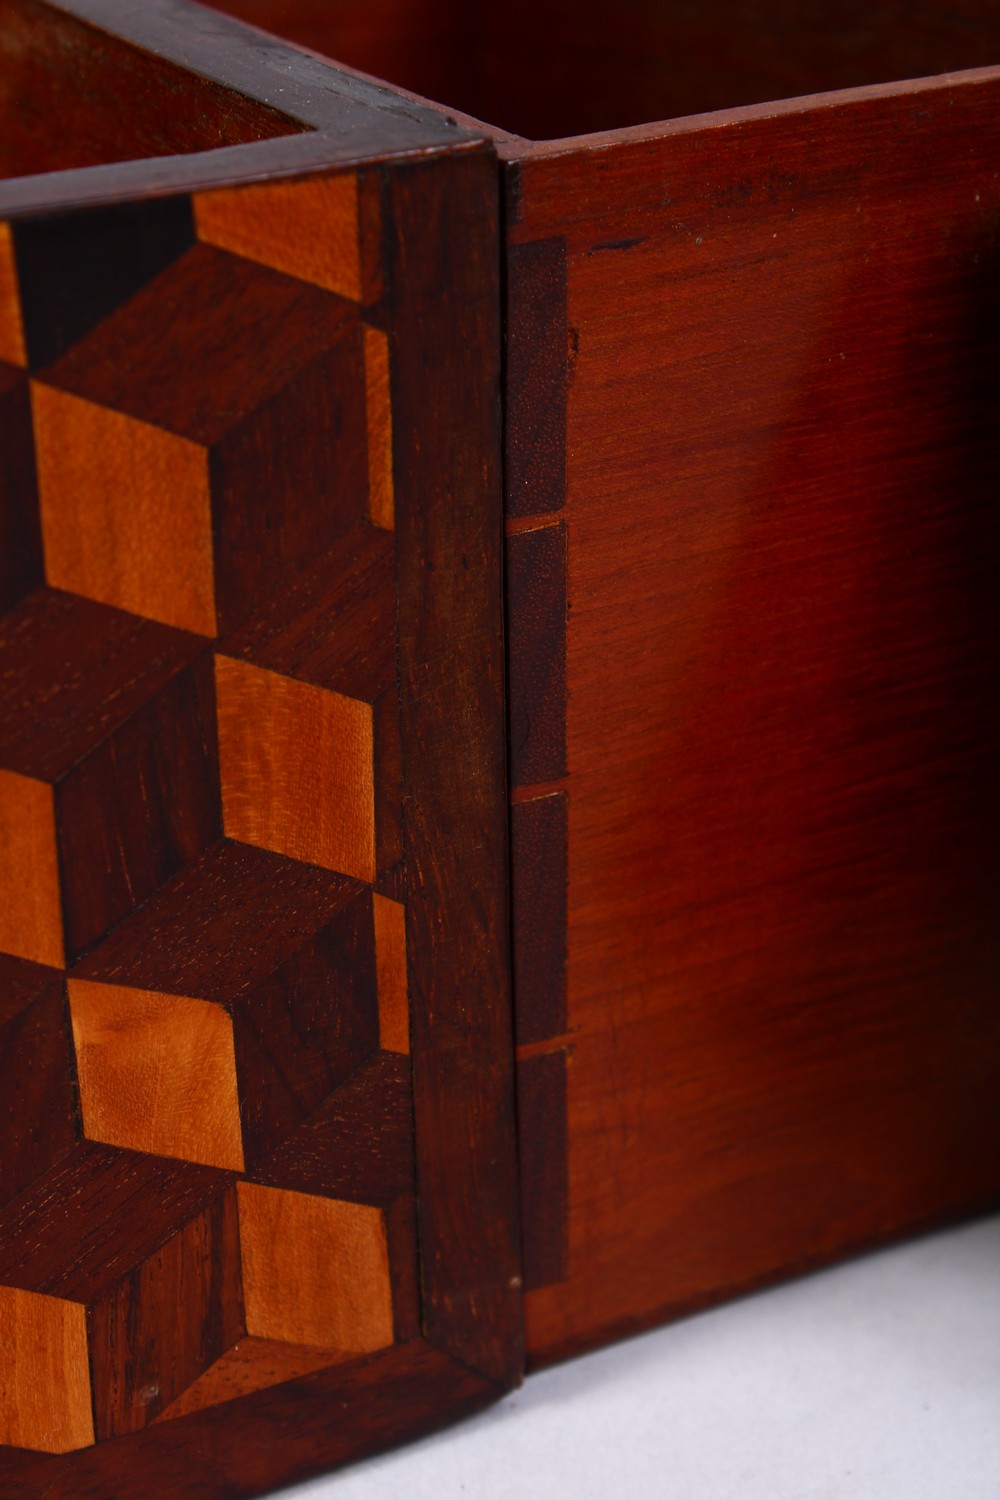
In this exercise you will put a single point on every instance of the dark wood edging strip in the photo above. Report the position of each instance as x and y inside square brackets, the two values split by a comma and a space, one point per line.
[536, 636]
[539, 871]
[345, 118]
[275, 1436]
[445, 398]
[541, 1106]
[536, 377]
[263, 67]
[536, 639]
[536, 381]
[443, 323]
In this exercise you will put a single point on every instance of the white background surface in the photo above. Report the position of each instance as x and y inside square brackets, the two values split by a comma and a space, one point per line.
[879, 1380]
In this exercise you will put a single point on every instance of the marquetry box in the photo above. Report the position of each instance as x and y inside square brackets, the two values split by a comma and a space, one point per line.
[498, 702]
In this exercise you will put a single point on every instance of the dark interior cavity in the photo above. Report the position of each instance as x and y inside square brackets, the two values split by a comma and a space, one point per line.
[72, 96]
[548, 68]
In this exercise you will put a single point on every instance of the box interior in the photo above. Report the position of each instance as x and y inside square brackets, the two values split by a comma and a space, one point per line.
[550, 68]
[72, 96]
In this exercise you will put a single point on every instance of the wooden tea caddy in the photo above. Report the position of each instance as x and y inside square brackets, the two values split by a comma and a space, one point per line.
[487, 621]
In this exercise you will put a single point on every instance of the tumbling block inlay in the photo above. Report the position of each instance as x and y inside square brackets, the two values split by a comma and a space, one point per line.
[38, 1114]
[148, 1248]
[286, 949]
[390, 963]
[146, 1347]
[11, 323]
[306, 229]
[208, 1175]
[157, 1073]
[108, 530]
[358, 1145]
[174, 410]
[117, 719]
[297, 768]
[251, 1365]
[45, 1399]
[30, 904]
[315, 1270]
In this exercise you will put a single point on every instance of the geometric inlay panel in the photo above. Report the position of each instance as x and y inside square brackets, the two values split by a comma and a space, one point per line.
[258, 1196]
[203, 979]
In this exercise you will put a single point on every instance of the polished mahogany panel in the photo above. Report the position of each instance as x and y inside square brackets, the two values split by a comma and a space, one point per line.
[782, 709]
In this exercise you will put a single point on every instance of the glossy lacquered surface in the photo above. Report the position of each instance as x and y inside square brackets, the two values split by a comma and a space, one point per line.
[781, 715]
[273, 386]
[247, 1002]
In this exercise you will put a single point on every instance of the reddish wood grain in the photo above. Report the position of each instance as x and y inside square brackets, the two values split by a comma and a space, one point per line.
[252, 1364]
[165, 423]
[445, 401]
[139, 807]
[379, 411]
[147, 1250]
[157, 1073]
[307, 229]
[81, 1251]
[97, 666]
[31, 913]
[782, 720]
[107, 740]
[402, 1231]
[297, 765]
[39, 1116]
[315, 1270]
[167, 1320]
[775, 730]
[390, 961]
[334, 625]
[358, 1145]
[47, 1397]
[141, 555]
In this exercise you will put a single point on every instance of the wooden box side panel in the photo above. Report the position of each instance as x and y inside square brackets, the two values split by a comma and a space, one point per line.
[753, 553]
[254, 986]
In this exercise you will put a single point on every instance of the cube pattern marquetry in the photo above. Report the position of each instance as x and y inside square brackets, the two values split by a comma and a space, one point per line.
[206, 1154]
